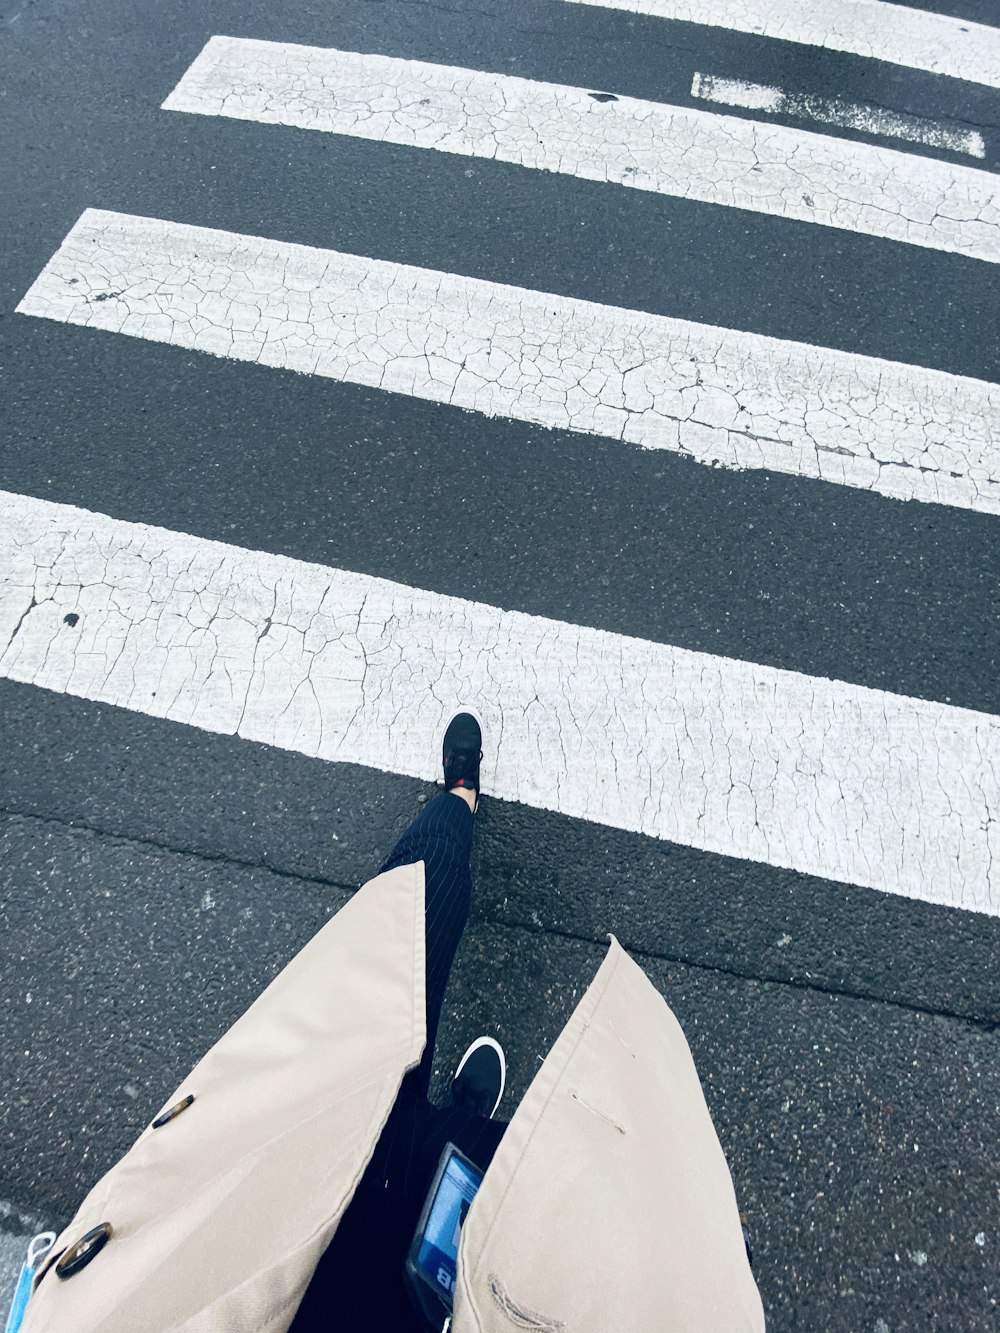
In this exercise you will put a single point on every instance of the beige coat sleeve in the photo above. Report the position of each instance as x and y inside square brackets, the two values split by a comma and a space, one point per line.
[609, 1205]
[220, 1216]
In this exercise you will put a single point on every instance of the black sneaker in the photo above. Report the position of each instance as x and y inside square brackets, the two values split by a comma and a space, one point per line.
[480, 1077]
[461, 751]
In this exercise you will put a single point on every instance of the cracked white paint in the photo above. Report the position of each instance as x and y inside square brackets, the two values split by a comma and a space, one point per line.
[718, 396]
[898, 34]
[860, 116]
[831, 779]
[679, 151]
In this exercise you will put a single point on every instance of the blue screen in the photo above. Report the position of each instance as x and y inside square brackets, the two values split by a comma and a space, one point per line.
[437, 1256]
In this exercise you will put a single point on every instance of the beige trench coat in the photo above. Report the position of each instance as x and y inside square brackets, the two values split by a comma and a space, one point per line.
[608, 1206]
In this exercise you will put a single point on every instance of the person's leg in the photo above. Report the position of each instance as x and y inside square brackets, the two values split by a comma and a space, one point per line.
[377, 1227]
[441, 837]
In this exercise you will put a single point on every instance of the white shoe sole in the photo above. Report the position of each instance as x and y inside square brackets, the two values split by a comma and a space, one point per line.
[486, 1041]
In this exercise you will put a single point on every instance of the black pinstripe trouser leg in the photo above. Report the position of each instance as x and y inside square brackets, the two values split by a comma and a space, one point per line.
[441, 837]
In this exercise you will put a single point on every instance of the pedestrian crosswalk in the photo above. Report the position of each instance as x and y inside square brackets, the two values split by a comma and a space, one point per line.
[824, 777]
[719, 396]
[672, 150]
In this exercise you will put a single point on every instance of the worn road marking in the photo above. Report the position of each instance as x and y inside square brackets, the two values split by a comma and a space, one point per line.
[851, 784]
[678, 151]
[898, 34]
[841, 111]
[718, 396]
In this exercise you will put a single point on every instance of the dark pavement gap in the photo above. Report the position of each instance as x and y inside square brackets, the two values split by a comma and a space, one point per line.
[161, 845]
[632, 54]
[652, 956]
[239, 802]
[554, 233]
[636, 950]
[785, 571]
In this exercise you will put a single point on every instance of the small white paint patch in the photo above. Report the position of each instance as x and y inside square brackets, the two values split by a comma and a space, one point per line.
[678, 151]
[898, 34]
[731, 92]
[851, 784]
[861, 116]
[718, 396]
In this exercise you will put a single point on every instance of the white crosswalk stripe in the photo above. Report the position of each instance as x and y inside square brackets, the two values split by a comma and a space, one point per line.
[718, 396]
[831, 779]
[671, 150]
[918, 38]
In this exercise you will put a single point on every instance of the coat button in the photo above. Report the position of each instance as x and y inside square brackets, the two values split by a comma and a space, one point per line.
[172, 1111]
[86, 1248]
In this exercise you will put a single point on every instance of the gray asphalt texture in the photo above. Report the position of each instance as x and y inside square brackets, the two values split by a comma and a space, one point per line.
[154, 878]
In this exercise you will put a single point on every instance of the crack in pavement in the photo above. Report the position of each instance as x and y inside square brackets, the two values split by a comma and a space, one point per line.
[639, 952]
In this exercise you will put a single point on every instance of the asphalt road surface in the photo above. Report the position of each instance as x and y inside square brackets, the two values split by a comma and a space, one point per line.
[735, 473]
